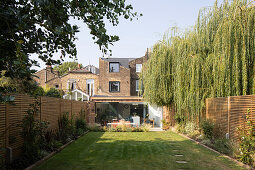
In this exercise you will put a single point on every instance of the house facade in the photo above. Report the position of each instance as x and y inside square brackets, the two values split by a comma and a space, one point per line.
[119, 96]
[79, 84]
[114, 88]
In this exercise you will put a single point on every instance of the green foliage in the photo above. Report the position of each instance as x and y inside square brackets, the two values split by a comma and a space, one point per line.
[247, 141]
[207, 128]
[64, 67]
[33, 134]
[44, 28]
[52, 92]
[213, 59]
[39, 91]
[80, 124]
[65, 127]
[190, 127]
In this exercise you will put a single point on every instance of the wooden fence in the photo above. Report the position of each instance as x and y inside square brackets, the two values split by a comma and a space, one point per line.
[228, 113]
[50, 110]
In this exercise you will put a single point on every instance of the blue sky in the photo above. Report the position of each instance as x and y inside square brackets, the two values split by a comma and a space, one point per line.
[138, 35]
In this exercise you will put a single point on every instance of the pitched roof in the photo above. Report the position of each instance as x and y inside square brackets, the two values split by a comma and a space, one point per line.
[123, 61]
[82, 70]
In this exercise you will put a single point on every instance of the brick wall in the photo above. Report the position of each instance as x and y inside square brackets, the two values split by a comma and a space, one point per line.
[45, 75]
[123, 76]
[134, 74]
[80, 78]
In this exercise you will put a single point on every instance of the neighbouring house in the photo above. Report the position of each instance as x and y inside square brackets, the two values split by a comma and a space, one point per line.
[44, 75]
[79, 84]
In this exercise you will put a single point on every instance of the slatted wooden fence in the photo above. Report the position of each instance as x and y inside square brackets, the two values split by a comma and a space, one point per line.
[50, 109]
[229, 113]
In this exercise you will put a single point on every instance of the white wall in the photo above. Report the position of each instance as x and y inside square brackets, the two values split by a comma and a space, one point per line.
[156, 113]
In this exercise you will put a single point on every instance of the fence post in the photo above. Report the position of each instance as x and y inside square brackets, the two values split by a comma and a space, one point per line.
[60, 101]
[71, 107]
[6, 125]
[206, 108]
[40, 108]
[229, 107]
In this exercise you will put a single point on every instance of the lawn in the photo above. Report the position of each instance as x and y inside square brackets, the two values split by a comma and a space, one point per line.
[136, 150]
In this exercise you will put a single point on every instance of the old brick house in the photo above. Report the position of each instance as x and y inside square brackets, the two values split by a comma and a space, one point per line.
[44, 75]
[77, 84]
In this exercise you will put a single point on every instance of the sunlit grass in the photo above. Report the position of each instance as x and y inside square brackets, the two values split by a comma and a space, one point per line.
[136, 150]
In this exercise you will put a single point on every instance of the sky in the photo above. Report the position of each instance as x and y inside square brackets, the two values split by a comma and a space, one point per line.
[138, 35]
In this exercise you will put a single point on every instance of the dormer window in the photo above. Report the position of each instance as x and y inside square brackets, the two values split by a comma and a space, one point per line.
[114, 67]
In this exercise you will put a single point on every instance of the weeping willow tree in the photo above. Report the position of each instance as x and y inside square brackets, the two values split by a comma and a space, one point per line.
[213, 59]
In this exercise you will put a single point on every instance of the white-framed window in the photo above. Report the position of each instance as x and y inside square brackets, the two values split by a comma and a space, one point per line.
[90, 87]
[114, 67]
[137, 85]
[114, 86]
[71, 84]
[138, 68]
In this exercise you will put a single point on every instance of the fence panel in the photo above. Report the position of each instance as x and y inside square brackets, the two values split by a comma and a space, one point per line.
[2, 129]
[229, 112]
[219, 108]
[11, 116]
[16, 113]
[50, 111]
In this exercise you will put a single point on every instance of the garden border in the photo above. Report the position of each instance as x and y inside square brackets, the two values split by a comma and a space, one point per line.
[53, 153]
[225, 156]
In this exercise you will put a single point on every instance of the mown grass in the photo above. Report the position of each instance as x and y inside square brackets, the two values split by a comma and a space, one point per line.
[135, 150]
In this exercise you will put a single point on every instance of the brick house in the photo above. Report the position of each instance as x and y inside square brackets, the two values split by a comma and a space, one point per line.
[118, 94]
[114, 88]
[78, 84]
[44, 75]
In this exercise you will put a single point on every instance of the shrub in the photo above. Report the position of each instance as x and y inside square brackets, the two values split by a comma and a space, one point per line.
[179, 128]
[33, 133]
[223, 146]
[66, 127]
[96, 128]
[247, 141]
[145, 127]
[80, 124]
[207, 128]
[190, 127]
[52, 92]
[122, 127]
[166, 125]
[39, 91]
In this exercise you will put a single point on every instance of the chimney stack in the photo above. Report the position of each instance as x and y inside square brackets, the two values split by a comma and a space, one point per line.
[148, 53]
[49, 68]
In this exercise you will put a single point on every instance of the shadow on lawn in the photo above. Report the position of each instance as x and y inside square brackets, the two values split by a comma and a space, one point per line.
[125, 150]
[152, 151]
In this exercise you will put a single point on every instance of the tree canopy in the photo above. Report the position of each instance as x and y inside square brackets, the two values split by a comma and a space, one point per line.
[43, 27]
[64, 67]
[214, 59]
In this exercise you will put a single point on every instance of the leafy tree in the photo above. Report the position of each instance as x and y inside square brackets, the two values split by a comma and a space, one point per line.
[53, 93]
[43, 28]
[64, 68]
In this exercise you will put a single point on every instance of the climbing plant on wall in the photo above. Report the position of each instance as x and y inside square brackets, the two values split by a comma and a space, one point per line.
[213, 59]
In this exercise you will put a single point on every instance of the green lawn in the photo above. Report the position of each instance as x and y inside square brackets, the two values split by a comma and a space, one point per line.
[135, 150]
